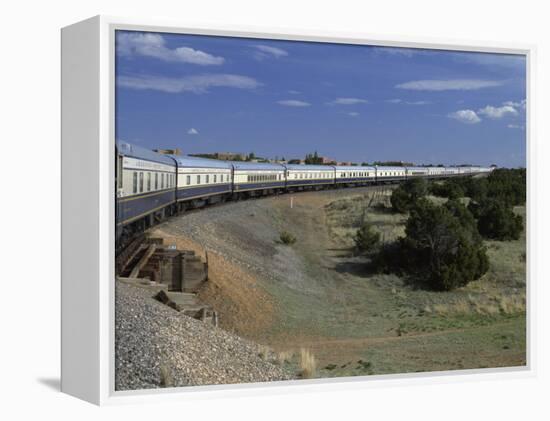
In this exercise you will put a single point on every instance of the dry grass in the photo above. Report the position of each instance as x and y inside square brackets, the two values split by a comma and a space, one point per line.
[285, 357]
[264, 352]
[308, 365]
[483, 305]
[166, 379]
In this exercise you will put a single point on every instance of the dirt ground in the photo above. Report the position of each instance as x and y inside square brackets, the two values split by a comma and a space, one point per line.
[316, 294]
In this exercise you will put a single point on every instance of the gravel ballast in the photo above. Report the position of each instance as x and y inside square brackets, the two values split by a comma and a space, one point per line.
[156, 346]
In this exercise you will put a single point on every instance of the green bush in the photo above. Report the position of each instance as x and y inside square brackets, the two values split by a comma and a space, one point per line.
[450, 189]
[287, 238]
[405, 196]
[497, 221]
[366, 238]
[508, 186]
[442, 248]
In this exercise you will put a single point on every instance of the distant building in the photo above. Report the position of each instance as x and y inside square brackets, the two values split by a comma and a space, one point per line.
[224, 156]
[176, 151]
[325, 160]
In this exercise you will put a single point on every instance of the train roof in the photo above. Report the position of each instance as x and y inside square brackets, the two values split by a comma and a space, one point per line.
[139, 152]
[418, 168]
[300, 167]
[394, 168]
[186, 161]
[256, 166]
[353, 168]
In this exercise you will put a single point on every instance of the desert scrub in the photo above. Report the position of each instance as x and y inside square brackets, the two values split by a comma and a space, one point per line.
[308, 365]
[287, 238]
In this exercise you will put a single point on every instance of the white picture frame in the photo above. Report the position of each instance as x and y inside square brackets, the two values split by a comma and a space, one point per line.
[88, 195]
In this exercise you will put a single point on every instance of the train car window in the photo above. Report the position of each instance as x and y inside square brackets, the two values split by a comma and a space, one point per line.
[140, 182]
[207, 178]
[156, 181]
[148, 181]
[215, 178]
[188, 180]
[162, 181]
[198, 179]
[134, 189]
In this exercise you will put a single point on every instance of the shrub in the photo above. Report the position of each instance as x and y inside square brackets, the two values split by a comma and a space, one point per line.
[442, 247]
[405, 196]
[508, 186]
[400, 200]
[366, 239]
[497, 221]
[287, 238]
[450, 189]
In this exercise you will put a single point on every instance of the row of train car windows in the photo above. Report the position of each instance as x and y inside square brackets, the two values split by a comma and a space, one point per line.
[264, 177]
[199, 178]
[386, 173]
[312, 175]
[146, 182]
[355, 174]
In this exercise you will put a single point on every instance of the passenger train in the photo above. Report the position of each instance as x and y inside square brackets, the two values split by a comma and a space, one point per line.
[151, 186]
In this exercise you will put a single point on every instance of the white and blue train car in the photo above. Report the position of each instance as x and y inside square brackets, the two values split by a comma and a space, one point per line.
[257, 178]
[304, 176]
[390, 174]
[436, 172]
[417, 172]
[351, 175]
[451, 172]
[202, 179]
[146, 183]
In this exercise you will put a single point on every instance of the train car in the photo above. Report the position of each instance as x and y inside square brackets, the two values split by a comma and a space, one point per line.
[146, 184]
[436, 172]
[300, 177]
[202, 181]
[354, 175]
[417, 172]
[390, 174]
[451, 172]
[257, 179]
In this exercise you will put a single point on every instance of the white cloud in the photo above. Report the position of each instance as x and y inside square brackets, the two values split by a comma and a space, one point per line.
[465, 116]
[293, 103]
[293, 92]
[154, 45]
[448, 85]
[265, 51]
[197, 84]
[396, 51]
[348, 101]
[515, 126]
[400, 101]
[192, 131]
[418, 102]
[497, 112]
[517, 104]
[353, 114]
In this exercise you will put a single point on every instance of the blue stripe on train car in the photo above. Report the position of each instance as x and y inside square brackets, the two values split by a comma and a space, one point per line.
[304, 182]
[355, 180]
[130, 209]
[388, 178]
[259, 186]
[196, 192]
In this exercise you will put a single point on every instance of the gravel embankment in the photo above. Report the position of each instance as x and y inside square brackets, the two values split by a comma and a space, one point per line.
[156, 346]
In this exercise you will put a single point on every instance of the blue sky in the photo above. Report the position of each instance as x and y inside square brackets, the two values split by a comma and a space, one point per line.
[350, 103]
